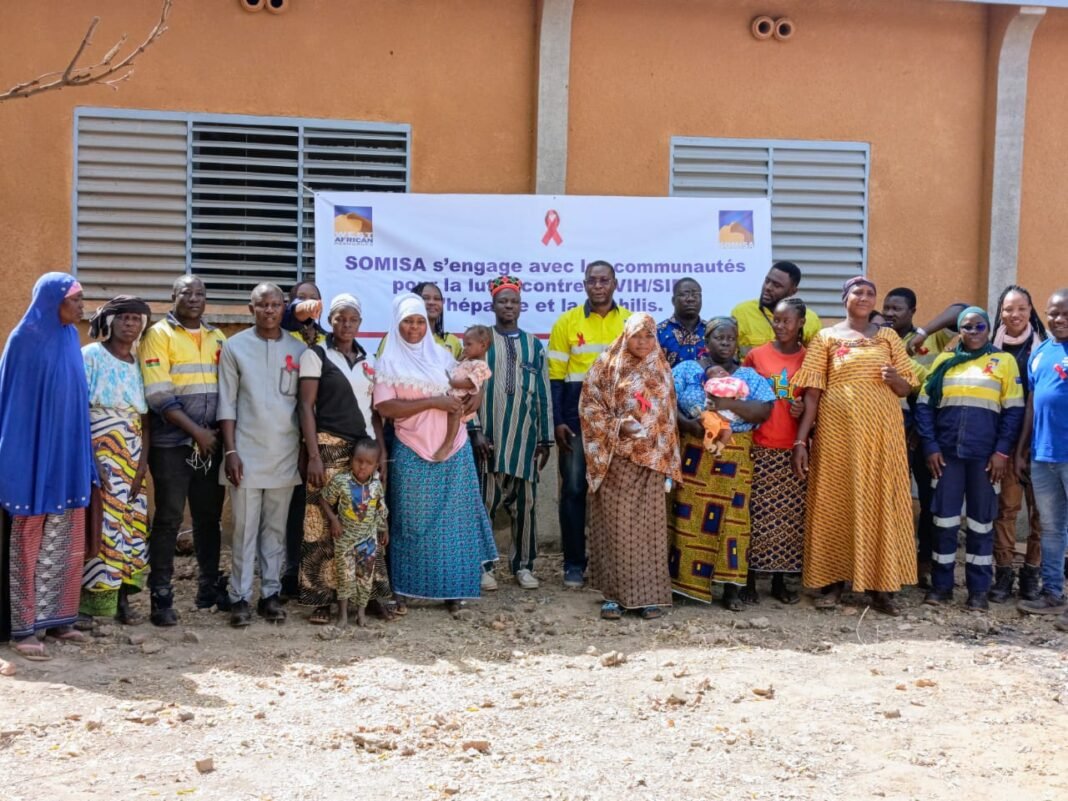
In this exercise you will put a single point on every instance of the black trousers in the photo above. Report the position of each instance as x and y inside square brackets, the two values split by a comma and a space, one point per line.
[175, 482]
[294, 535]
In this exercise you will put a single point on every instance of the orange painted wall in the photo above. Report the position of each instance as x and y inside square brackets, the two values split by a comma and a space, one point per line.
[1043, 261]
[906, 76]
[461, 72]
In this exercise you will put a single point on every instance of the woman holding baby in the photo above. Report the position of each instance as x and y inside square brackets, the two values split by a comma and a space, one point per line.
[709, 514]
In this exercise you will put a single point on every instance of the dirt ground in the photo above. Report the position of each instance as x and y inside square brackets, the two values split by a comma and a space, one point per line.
[527, 696]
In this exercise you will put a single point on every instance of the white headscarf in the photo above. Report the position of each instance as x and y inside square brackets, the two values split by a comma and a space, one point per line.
[345, 300]
[425, 365]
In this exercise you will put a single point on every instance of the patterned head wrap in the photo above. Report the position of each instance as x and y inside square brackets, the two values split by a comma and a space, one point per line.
[961, 355]
[503, 283]
[716, 322]
[618, 387]
[345, 301]
[100, 322]
[73, 289]
[854, 281]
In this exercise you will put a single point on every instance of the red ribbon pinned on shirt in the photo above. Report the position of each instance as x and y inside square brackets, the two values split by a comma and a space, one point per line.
[552, 226]
[1061, 372]
[643, 402]
[290, 364]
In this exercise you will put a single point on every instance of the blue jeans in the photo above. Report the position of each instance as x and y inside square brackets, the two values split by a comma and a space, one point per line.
[1049, 480]
[573, 505]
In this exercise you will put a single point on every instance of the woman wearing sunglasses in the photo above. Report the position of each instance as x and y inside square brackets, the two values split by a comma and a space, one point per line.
[968, 416]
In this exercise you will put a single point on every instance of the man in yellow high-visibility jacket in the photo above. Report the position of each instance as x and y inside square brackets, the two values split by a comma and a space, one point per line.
[578, 337]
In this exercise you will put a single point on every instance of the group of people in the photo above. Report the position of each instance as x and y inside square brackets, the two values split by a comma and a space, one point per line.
[710, 452]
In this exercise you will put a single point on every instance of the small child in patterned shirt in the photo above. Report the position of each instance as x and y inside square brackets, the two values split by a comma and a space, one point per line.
[355, 506]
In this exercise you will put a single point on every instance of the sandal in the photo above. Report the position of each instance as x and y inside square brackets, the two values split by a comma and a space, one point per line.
[785, 596]
[380, 609]
[884, 602]
[832, 594]
[452, 607]
[67, 634]
[749, 596]
[781, 593]
[731, 600]
[610, 610]
[651, 613]
[320, 617]
[6, 668]
[32, 650]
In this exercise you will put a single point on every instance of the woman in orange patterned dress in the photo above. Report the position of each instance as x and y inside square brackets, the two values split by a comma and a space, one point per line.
[858, 519]
[627, 411]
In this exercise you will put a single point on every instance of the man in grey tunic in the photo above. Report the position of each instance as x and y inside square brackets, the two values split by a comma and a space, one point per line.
[258, 379]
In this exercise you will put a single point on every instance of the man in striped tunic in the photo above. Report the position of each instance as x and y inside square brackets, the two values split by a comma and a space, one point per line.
[512, 435]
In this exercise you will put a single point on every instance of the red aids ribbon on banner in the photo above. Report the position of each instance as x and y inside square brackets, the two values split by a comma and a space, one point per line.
[552, 226]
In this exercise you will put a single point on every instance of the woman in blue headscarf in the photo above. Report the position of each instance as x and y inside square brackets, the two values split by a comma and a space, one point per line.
[47, 469]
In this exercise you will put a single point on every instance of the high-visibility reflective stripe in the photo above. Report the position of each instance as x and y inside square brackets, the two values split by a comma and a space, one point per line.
[946, 522]
[965, 400]
[972, 559]
[576, 377]
[972, 381]
[1010, 403]
[160, 387]
[980, 528]
[944, 558]
[556, 355]
[589, 348]
[179, 369]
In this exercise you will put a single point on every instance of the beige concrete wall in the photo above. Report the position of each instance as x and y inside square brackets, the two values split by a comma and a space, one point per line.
[1044, 204]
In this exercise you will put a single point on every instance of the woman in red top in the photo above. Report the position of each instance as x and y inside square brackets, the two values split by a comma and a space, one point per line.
[777, 502]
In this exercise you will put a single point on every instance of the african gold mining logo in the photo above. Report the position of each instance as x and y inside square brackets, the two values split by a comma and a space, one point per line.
[736, 229]
[353, 226]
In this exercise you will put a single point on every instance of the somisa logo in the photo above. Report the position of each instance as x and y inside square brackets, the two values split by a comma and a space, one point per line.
[353, 226]
[736, 229]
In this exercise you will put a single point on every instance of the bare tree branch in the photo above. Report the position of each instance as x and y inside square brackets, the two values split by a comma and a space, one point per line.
[103, 71]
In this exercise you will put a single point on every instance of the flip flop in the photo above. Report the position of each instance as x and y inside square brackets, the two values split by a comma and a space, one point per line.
[320, 617]
[6, 668]
[785, 596]
[67, 634]
[651, 613]
[610, 610]
[32, 651]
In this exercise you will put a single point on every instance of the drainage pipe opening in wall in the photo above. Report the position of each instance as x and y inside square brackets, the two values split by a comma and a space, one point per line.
[763, 27]
[784, 28]
[252, 5]
[277, 6]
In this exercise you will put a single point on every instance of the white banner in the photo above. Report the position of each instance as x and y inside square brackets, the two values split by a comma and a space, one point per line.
[378, 244]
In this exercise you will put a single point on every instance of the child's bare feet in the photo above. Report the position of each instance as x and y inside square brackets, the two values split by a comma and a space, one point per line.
[343, 614]
[361, 616]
